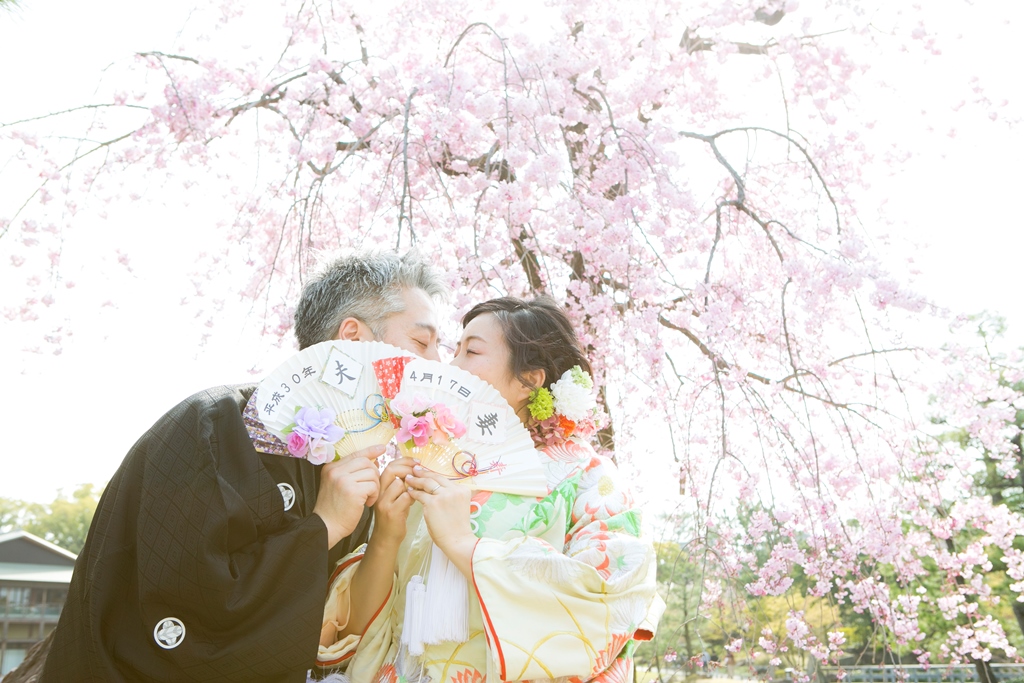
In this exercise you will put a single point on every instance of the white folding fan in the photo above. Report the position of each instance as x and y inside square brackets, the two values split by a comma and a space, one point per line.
[484, 447]
[496, 452]
[350, 378]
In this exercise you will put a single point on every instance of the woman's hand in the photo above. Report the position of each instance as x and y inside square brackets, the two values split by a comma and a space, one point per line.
[392, 507]
[446, 511]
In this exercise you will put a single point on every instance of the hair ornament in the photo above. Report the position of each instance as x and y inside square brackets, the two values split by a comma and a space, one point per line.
[568, 408]
[541, 405]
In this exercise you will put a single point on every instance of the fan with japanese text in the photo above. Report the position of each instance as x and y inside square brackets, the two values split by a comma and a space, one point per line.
[458, 425]
[331, 399]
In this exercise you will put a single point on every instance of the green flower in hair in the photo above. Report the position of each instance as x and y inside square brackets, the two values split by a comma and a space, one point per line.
[542, 405]
[581, 377]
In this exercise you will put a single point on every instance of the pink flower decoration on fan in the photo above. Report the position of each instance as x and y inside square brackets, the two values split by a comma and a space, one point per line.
[320, 452]
[405, 405]
[313, 434]
[416, 429]
[297, 444]
[447, 422]
[421, 421]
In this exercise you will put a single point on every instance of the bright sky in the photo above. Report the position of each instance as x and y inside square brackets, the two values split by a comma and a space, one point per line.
[128, 363]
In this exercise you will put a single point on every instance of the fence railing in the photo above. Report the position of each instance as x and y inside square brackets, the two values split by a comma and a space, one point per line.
[1005, 673]
[964, 673]
[46, 612]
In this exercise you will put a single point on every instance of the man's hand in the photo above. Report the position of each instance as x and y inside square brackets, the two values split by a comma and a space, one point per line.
[346, 488]
[392, 507]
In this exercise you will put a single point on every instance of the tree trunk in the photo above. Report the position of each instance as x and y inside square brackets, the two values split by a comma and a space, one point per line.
[1018, 611]
[985, 672]
[983, 668]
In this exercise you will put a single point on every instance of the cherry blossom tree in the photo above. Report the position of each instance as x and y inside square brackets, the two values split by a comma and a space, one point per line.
[686, 176]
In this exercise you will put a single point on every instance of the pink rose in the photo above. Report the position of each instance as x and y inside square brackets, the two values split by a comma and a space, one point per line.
[320, 452]
[406, 404]
[447, 422]
[418, 429]
[297, 444]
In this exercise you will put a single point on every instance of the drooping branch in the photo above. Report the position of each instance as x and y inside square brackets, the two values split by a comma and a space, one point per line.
[164, 55]
[72, 110]
[402, 213]
[718, 362]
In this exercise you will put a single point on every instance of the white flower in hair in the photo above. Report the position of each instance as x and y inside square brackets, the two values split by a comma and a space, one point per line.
[573, 394]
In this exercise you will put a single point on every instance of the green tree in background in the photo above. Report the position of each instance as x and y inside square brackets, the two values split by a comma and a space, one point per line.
[1004, 485]
[12, 513]
[64, 522]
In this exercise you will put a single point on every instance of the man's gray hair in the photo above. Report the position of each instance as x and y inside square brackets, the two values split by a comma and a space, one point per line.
[367, 287]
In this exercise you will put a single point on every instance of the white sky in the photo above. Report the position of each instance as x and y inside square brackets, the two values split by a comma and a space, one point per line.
[128, 363]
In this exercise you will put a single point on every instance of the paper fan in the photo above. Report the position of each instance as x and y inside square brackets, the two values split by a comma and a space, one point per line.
[460, 426]
[328, 400]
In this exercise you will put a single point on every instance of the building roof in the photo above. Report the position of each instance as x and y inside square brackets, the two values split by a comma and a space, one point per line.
[35, 573]
[23, 548]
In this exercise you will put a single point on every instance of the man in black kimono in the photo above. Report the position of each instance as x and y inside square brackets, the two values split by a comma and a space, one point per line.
[208, 556]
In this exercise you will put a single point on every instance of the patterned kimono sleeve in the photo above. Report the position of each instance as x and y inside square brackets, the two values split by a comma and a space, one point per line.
[565, 593]
[372, 646]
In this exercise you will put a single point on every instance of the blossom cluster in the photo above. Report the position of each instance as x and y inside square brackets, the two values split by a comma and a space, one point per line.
[313, 434]
[717, 267]
[421, 421]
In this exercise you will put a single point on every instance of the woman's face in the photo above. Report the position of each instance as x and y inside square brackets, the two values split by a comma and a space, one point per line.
[483, 352]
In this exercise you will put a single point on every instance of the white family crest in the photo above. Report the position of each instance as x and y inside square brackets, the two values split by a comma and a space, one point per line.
[288, 494]
[169, 632]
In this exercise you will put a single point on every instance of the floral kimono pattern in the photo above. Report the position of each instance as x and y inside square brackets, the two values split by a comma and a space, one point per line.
[564, 587]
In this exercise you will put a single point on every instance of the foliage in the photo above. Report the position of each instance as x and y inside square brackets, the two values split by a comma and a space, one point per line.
[64, 522]
[1002, 474]
[12, 514]
[688, 177]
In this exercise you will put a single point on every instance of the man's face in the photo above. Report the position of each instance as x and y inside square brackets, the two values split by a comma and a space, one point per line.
[415, 328]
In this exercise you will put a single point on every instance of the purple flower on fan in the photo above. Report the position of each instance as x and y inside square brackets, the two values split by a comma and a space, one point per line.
[317, 424]
[313, 435]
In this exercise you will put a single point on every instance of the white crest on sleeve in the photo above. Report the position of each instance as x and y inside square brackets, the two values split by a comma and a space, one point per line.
[169, 632]
[288, 494]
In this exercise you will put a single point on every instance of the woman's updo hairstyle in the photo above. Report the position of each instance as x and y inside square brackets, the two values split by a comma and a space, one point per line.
[538, 334]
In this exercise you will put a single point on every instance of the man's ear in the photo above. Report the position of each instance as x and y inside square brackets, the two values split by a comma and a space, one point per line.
[354, 329]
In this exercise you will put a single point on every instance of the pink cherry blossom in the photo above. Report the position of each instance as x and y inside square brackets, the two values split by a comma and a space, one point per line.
[701, 204]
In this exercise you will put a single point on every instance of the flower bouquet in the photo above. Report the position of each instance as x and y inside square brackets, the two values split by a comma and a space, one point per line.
[425, 429]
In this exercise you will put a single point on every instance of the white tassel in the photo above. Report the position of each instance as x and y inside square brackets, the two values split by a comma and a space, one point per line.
[412, 626]
[331, 678]
[447, 602]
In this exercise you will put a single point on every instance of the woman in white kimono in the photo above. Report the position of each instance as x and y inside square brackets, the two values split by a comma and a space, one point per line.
[560, 587]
